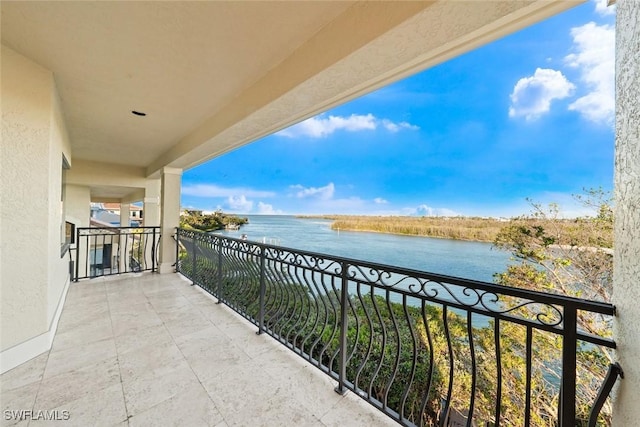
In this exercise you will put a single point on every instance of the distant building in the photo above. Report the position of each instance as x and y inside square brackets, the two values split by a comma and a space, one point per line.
[109, 213]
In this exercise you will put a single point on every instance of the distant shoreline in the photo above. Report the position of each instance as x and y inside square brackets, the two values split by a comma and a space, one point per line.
[454, 228]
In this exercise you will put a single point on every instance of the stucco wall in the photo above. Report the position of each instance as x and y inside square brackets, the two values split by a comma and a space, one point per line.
[78, 204]
[626, 290]
[58, 266]
[34, 138]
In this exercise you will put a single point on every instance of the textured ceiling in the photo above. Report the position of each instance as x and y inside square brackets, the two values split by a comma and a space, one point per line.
[212, 76]
[179, 62]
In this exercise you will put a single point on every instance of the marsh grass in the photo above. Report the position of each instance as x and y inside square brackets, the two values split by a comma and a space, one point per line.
[458, 228]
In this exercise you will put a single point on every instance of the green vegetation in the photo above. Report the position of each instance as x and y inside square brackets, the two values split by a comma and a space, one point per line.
[196, 220]
[573, 258]
[459, 228]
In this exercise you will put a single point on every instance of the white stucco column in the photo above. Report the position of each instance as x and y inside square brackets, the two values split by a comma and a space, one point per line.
[169, 217]
[125, 213]
[626, 268]
[77, 204]
[151, 206]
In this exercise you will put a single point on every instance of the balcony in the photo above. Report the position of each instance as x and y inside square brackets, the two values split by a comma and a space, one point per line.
[424, 349]
[149, 349]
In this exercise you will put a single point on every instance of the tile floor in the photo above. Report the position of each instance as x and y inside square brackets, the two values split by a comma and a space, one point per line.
[151, 350]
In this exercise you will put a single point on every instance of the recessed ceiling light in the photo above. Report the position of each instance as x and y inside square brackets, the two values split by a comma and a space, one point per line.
[138, 113]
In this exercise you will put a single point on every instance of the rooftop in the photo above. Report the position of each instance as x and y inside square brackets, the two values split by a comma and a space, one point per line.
[149, 349]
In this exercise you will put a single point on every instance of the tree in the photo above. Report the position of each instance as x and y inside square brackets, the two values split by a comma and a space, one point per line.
[572, 257]
[192, 219]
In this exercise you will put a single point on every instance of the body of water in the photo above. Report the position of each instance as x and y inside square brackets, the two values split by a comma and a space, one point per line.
[471, 260]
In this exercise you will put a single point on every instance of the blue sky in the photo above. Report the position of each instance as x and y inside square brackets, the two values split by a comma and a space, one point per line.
[528, 116]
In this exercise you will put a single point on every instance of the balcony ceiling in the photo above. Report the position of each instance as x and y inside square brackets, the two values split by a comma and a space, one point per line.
[212, 76]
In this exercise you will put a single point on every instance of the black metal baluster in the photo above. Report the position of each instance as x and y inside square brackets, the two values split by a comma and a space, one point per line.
[77, 266]
[473, 368]
[365, 359]
[383, 347]
[396, 363]
[220, 276]
[263, 290]
[431, 350]
[414, 360]
[527, 403]
[178, 234]
[193, 261]
[496, 337]
[127, 260]
[344, 295]
[316, 298]
[569, 348]
[447, 406]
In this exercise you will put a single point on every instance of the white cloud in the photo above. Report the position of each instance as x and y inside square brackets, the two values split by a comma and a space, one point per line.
[212, 190]
[594, 57]
[532, 96]
[321, 126]
[380, 201]
[425, 210]
[602, 8]
[239, 203]
[323, 193]
[267, 209]
[395, 127]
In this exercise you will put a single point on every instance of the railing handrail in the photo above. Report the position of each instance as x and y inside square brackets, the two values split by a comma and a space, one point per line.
[561, 300]
[150, 227]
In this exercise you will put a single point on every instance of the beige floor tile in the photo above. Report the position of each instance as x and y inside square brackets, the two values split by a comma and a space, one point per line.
[152, 336]
[187, 324]
[17, 399]
[202, 340]
[73, 316]
[133, 321]
[319, 396]
[166, 302]
[124, 302]
[245, 382]
[192, 407]
[151, 361]
[92, 330]
[123, 307]
[358, 412]
[275, 411]
[75, 358]
[24, 374]
[73, 385]
[101, 408]
[154, 348]
[209, 354]
[244, 336]
[143, 393]
[80, 302]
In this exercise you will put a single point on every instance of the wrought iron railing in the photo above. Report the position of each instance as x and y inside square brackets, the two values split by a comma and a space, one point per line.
[103, 251]
[424, 348]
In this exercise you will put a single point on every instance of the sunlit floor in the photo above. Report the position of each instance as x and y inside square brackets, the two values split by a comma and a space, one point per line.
[152, 350]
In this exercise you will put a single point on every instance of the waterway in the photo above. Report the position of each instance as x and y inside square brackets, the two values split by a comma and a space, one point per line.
[471, 260]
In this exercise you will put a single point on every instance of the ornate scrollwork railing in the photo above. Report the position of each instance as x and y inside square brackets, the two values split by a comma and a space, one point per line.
[426, 349]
